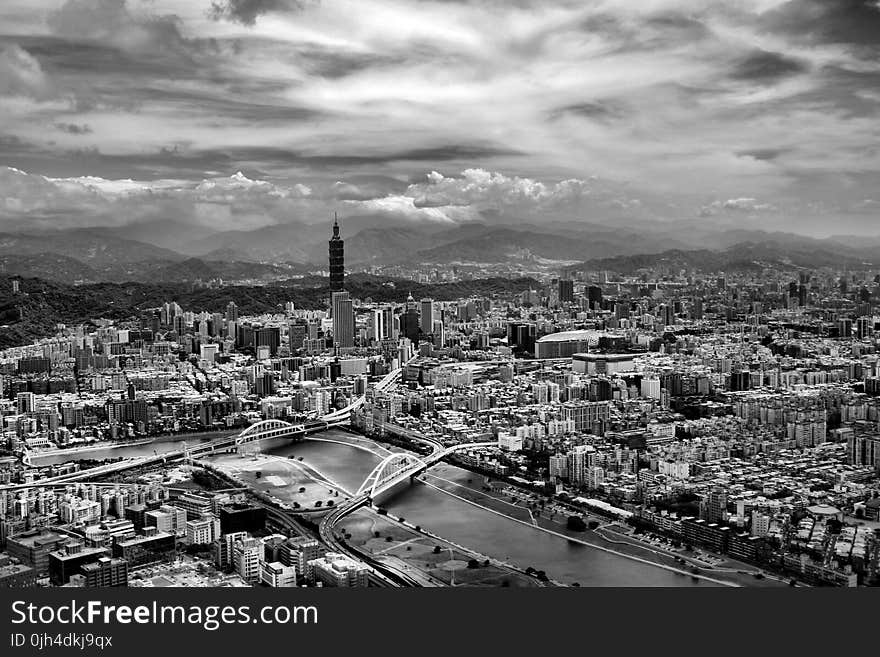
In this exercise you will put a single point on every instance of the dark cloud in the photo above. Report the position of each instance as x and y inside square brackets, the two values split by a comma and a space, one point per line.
[182, 160]
[762, 65]
[246, 12]
[595, 110]
[22, 75]
[288, 157]
[110, 21]
[763, 154]
[845, 93]
[221, 105]
[333, 65]
[74, 128]
[652, 31]
[672, 27]
[855, 22]
[74, 60]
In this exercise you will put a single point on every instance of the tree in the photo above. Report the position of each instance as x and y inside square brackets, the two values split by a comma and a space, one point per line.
[473, 563]
[576, 524]
[436, 549]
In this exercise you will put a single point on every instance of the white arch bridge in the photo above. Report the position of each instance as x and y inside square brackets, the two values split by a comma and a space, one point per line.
[403, 466]
[279, 428]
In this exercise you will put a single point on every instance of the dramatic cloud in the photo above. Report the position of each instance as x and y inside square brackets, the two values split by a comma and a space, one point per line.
[247, 11]
[110, 21]
[599, 110]
[22, 75]
[223, 203]
[493, 190]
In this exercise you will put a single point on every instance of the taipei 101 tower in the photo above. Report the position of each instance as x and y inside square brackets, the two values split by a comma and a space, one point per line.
[337, 259]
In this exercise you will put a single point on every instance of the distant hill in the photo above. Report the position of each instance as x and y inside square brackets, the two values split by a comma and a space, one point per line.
[106, 254]
[497, 244]
[196, 269]
[738, 257]
[293, 242]
[282, 251]
[51, 266]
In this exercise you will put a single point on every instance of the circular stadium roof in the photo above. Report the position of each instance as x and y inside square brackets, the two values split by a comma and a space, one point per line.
[590, 335]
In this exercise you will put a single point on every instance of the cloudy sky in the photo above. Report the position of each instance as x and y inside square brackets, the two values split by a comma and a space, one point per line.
[241, 113]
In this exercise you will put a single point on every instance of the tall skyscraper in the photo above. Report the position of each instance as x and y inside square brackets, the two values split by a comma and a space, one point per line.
[377, 325]
[409, 321]
[565, 289]
[337, 259]
[426, 318]
[343, 320]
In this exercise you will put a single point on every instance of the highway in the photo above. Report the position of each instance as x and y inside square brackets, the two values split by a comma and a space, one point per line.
[380, 574]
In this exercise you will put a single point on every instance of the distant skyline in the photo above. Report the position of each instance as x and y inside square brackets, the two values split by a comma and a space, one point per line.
[235, 114]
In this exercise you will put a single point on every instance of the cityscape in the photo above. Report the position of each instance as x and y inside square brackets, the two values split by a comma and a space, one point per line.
[283, 309]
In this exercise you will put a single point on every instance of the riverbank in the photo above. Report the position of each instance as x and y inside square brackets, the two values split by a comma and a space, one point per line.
[537, 522]
[423, 555]
[611, 536]
[134, 448]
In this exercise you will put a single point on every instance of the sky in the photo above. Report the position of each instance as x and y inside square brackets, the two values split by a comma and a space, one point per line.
[242, 113]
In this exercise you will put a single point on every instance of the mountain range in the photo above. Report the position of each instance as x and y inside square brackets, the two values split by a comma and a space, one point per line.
[173, 251]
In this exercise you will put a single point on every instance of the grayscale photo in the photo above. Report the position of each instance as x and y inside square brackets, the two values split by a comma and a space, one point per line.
[438, 293]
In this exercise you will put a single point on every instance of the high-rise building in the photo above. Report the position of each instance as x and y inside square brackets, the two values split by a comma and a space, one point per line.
[298, 552]
[377, 325]
[337, 259]
[25, 402]
[343, 320]
[715, 505]
[246, 557]
[297, 334]
[409, 321]
[565, 290]
[426, 318]
[388, 332]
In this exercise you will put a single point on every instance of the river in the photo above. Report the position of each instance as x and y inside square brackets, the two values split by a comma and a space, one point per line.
[447, 516]
[158, 445]
[481, 530]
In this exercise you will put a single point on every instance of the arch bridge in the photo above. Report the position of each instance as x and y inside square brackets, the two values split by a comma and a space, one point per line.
[391, 471]
[398, 467]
